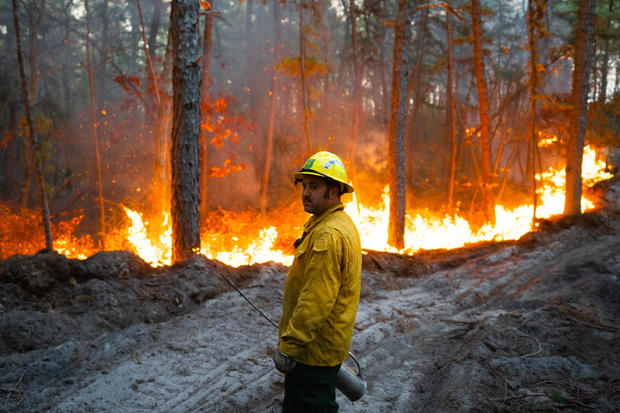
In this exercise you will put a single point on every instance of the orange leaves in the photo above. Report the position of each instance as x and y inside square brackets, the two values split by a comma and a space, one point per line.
[205, 5]
[220, 105]
[291, 66]
[217, 121]
[218, 139]
[229, 167]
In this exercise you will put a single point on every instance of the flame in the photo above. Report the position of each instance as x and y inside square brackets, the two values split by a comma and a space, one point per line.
[247, 238]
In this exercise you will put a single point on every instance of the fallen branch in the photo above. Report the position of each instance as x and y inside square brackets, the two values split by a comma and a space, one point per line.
[460, 359]
[134, 356]
[15, 390]
[447, 320]
[520, 396]
[537, 351]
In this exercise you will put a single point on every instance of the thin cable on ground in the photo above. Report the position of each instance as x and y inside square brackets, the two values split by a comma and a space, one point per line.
[248, 300]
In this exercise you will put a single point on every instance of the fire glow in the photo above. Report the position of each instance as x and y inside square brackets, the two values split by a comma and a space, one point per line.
[247, 238]
[422, 231]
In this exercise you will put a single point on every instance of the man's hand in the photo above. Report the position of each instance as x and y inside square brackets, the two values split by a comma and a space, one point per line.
[283, 362]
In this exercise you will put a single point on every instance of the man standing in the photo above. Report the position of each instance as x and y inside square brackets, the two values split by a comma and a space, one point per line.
[321, 291]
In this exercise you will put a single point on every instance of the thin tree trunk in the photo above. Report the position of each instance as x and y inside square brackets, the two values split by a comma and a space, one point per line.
[415, 84]
[302, 69]
[161, 167]
[147, 53]
[155, 23]
[535, 14]
[33, 137]
[185, 129]
[264, 199]
[35, 14]
[93, 121]
[416, 88]
[100, 72]
[250, 56]
[581, 73]
[357, 86]
[602, 96]
[204, 96]
[485, 139]
[451, 115]
[396, 130]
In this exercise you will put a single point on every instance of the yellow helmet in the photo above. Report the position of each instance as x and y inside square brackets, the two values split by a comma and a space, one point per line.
[326, 165]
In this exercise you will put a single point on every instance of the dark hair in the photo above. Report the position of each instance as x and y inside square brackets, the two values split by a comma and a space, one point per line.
[330, 183]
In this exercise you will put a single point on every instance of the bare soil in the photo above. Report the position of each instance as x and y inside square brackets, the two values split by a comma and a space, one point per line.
[520, 326]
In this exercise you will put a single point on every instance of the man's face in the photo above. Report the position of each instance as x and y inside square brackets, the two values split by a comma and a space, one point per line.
[314, 196]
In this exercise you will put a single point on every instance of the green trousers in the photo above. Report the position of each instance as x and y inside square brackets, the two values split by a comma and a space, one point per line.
[310, 389]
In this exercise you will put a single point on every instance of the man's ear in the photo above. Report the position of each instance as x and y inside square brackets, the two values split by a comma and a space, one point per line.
[334, 192]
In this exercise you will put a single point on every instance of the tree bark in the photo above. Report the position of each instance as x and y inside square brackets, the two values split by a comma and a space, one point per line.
[264, 198]
[416, 88]
[396, 130]
[535, 14]
[185, 129]
[204, 96]
[576, 135]
[93, 121]
[485, 138]
[149, 62]
[602, 96]
[34, 142]
[161, 167]
[451, 115]
[357, 86]
[155, 23]
[302, 70]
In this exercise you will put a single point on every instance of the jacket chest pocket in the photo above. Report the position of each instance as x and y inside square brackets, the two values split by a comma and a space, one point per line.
[300, 253]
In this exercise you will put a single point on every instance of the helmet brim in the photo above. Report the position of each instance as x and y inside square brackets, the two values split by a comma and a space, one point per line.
[299, 175]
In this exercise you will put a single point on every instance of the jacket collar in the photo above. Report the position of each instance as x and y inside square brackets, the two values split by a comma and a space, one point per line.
[314, 219]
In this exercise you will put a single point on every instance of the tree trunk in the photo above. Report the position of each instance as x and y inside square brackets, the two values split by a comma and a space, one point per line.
[416, 88]
[93, 121]
[357, 86]
[204, 96]
[535, 14]
[485, 139]
[602, 96]
[185, 129]
[451, 115]
[161, 169]
[33, 137]
[34, 14]
[250, 58]
[264, 198]
[582, 63]
[302, 70]
[396, 130]
[100, 72]
[155, 23]
[149, 62]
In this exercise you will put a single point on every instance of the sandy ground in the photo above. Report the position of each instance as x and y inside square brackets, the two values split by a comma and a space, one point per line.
[531, 325]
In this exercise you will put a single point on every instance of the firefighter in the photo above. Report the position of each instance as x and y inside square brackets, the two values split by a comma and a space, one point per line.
[321, 291]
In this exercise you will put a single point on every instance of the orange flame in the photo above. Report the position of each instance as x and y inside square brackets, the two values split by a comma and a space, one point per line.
[422, 231]
[248, 238]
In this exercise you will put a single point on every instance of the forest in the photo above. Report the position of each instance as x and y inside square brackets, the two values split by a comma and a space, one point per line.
[147, 153]
[456, 107]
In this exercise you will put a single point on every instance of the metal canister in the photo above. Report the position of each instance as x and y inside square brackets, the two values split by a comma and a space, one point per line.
[350, 382]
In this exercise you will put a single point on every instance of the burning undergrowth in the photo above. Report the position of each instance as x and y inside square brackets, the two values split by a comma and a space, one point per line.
[248, 237]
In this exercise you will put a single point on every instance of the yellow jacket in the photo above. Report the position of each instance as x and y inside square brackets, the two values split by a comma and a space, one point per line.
[322, 290]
